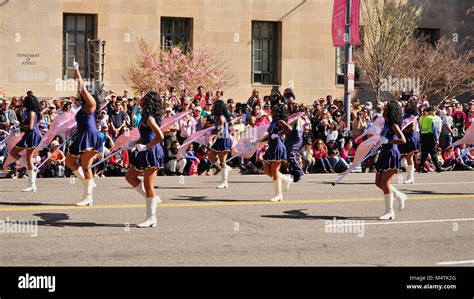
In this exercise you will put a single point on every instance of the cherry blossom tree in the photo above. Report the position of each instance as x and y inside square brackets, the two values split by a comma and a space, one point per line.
[175, 67]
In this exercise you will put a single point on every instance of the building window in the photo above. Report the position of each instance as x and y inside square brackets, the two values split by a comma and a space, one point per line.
[77, 30]
[427, 35]
[176, 31]
[265, 52]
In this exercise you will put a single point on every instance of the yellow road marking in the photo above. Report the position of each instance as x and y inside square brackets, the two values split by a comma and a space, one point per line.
[219, 204]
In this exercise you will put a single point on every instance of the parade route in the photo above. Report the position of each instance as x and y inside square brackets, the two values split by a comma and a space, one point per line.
[198, 225]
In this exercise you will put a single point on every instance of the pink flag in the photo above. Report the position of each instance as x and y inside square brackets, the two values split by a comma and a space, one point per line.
[373, 129]
[169, 121]
[194, 137]
[63, 125]
[125, 139]
[468, 137]
[102, 106]
[365, 147]
[408, 121]
[250, 142]
[11, 142]
[362, 150]
[339, 23]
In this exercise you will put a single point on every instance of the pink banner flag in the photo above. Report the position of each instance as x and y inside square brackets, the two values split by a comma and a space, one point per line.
[468, 137]
[365, 147]
[102, 105]
[125, 140]
[339, 23]
[199, 135]
[11, 142]
[408, 121]
[169, 121]
[63, 125]
[362, 150]
[373, 129]
[250, 142]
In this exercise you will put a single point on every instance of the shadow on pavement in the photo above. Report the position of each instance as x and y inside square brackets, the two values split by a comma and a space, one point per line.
[300, 215]
[205, 199]
[55, 219]
[415, 192]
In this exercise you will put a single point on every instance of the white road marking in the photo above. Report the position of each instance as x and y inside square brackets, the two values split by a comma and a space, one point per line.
[456, 263]
[403, 222]
[368, 181]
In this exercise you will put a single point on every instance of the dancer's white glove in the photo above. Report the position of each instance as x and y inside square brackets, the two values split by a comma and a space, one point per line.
[383, 140]
[274, 136]
[141, 147]
[75, 65]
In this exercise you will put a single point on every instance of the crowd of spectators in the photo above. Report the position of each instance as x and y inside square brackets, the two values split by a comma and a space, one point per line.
[327, 146]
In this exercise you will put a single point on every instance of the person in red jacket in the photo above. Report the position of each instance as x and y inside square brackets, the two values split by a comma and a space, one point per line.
[320, 153]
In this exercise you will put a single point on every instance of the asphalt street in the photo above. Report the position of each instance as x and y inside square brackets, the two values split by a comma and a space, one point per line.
[317, 225]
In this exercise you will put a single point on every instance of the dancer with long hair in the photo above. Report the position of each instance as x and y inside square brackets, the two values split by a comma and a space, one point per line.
[223, 143]
[412, 137]
[276, 153]
[148, 156]
[86, 142]
[389, 160]
[30, 139]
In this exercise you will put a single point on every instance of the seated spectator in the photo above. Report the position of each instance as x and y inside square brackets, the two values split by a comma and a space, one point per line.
[174, 166]
[337, 162]
[306, 153]
[117, 164]
[321, 156]
[464, 158]
[55, 164]
[204, 165]
[348, 152]
[191, 160]
[449, 158]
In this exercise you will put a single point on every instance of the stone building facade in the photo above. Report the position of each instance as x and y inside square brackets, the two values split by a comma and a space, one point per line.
[265, 43]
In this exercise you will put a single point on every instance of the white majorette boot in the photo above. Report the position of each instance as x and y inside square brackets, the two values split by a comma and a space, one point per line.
[405, 164]
[401, 197]
[151, 204]
[410, 174]
[277, 187]
[140, 189]
[23, 161]
[286, 181]
[389, 213]
[32, 181]
[225, 174]
[79, 173]
[87, 196]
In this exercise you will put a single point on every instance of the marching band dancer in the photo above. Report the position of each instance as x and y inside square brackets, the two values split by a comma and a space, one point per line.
[389, 160]
[148, 157]
[412, 145]
[223, 142]
[86, 142]
[30, 139]
[276, 152]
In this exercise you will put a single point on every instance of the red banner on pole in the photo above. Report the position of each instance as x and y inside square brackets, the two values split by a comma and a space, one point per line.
[339, 23]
